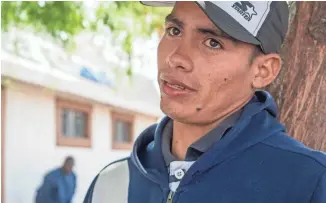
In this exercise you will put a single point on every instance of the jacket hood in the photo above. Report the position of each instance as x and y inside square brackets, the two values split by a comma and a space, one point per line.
[257, 122]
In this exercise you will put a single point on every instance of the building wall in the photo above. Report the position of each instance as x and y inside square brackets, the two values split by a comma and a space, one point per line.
[30, 143]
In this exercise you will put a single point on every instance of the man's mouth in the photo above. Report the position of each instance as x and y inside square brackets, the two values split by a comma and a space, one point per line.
[171, 87]
[177, 87]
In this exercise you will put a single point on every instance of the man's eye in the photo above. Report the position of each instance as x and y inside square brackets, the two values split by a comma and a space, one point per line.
[173, 31]
[212, 43]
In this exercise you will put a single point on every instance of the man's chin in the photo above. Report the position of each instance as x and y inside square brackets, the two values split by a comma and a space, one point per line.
[183, 114]
[177, 112]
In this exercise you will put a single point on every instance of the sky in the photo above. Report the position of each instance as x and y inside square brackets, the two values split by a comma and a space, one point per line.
[147, 64]
[144, 49]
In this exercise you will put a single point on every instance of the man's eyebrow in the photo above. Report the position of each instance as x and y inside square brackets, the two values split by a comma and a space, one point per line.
[171, 18]
[217, 33]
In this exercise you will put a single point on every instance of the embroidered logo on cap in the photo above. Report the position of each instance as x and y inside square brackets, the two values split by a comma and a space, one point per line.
[245, 8]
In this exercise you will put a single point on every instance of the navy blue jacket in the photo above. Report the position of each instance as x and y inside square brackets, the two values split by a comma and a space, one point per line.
[256, 162]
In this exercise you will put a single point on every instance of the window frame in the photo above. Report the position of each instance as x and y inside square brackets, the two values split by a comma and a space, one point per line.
[62, 140]
[128, 118]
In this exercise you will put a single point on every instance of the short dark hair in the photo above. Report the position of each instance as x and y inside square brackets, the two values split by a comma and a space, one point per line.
[69, 158]
[256, 52]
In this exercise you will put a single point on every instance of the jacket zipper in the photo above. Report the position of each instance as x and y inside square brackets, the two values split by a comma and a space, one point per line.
[170, 196]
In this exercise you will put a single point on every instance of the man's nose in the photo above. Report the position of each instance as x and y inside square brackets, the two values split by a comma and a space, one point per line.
[180, 58]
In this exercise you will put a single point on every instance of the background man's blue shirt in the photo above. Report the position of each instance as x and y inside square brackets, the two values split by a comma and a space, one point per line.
[57, 187]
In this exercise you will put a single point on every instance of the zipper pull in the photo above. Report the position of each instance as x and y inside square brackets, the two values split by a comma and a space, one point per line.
[170, 196]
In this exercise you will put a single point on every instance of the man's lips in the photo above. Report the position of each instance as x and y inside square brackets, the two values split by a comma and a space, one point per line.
[172, 87]
[176, 84]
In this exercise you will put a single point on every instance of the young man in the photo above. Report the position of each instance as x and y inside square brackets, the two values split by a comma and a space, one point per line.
[221, 141]
[58, 185]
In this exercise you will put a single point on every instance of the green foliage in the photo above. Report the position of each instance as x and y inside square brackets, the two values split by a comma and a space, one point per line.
[65, 19]
[62, 20]
[132, 18]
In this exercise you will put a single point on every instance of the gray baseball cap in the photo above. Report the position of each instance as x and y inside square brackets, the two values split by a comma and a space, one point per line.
[262, 23]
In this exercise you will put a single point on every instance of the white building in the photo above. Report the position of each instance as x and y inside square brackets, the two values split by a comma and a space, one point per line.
[49, 111]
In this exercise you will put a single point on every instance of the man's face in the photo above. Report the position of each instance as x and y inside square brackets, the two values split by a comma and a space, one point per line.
[202, 73]
[68, 166]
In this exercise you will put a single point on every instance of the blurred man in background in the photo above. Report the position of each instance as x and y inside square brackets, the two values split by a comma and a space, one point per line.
[59, 184]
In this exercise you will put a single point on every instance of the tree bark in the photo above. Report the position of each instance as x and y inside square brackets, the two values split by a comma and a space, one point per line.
[300, 89]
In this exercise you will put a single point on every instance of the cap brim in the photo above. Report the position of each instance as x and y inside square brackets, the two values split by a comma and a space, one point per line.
[158, 3]
[219, 17]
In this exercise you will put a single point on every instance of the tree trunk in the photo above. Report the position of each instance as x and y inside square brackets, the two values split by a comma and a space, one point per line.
[300, 89]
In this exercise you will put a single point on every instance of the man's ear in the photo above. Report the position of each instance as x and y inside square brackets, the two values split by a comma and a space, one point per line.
[267, 67]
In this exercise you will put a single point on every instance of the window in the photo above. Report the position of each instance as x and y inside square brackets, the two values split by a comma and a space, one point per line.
[122, 131]
[73, 124]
